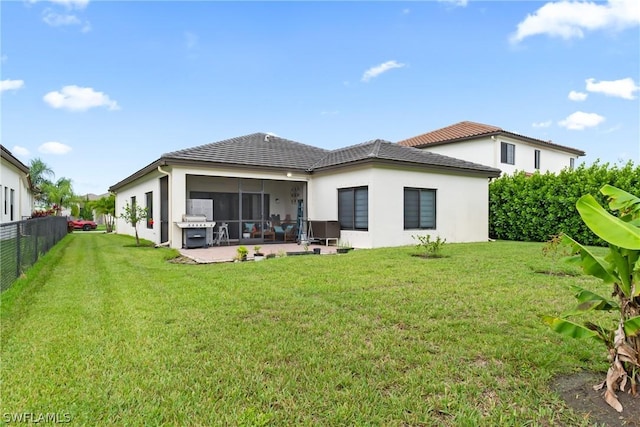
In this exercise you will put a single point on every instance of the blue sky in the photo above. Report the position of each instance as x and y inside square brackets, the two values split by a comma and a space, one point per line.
[98, 89]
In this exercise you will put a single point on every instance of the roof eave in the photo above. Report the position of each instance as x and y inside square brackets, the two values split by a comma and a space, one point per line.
[168, 161]
[489, 172]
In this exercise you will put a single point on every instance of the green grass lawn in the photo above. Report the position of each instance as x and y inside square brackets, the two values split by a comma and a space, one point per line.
[108, 333]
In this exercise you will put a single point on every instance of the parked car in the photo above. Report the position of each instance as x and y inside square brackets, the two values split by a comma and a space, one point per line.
[82, 224]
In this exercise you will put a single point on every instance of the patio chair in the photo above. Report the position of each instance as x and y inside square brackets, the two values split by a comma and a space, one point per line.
[288, 232]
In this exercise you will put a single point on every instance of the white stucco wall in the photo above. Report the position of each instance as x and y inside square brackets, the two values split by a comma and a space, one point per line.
[486, 151]
[13, 178]
[139, 189]
[178, 177]
[462, 204]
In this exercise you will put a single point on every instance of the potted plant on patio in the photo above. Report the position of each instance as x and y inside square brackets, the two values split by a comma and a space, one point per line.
[257, 255]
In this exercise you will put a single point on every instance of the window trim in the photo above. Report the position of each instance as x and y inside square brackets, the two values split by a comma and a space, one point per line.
[354, 221]
[536, 159]
[434, 215]
[504, 153]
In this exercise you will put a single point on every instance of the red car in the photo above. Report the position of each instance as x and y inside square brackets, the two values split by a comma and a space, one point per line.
[82, 224]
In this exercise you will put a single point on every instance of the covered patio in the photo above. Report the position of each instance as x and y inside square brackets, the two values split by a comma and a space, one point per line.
[227, 253]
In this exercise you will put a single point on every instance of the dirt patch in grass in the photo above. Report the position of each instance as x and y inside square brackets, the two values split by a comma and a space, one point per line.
[577, 391]
[182, 260]
[558, 273]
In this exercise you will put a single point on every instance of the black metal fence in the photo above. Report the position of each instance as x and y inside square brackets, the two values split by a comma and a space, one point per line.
[23, 242]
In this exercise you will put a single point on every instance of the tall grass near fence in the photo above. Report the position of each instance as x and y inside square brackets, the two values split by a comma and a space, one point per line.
[22, 243]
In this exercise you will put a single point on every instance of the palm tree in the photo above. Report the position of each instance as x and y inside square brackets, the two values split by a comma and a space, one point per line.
[59, 195]
[38, 173]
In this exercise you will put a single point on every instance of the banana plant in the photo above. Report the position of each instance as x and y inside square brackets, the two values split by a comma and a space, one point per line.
[620, 271]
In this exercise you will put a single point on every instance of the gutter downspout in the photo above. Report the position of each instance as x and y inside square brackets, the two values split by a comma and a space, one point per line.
[167, 174]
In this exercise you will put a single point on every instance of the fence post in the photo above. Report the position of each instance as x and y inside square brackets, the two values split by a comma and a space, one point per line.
[18, 245]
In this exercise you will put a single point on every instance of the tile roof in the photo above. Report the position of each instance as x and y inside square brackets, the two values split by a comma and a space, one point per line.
[262, 150]
[385, 150]
[469, 130]
[257, 149]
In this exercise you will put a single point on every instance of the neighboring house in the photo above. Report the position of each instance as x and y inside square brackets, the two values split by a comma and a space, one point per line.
[381, 193]
[493, 146]
[16, 195]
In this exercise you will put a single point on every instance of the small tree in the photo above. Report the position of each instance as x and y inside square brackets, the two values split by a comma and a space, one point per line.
[133, 215]
[619, 269]
[431, 248]
[106, 206]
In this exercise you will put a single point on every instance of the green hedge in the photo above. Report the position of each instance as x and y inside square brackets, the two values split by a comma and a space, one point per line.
[538, 206]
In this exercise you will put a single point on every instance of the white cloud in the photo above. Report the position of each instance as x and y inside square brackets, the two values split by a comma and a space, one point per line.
[329, 113]
[577, 96]
[546, 124]
[580, 120]
[406, 11]
[20, 151]
[54, 147]
[3, 58]
[55, 19]
[623, 88]
[77, 98]
[379, 69]
[455, 2]
[78, 4]
[569, 19]
[11, 85]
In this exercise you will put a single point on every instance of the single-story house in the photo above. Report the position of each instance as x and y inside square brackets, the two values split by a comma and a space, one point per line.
[381, 193]
[494, 146]
[16, 192]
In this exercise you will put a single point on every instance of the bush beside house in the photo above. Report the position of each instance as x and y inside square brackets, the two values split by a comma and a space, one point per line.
[535, 207]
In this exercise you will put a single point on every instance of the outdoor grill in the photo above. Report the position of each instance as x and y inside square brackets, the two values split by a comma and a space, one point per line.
[197, 232]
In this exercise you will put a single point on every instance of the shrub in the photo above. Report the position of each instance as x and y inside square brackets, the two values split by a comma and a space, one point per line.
[539, 206]
[431, 248]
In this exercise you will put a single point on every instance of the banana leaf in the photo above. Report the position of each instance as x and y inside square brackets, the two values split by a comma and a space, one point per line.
[606, 226]
[568, 328]
[632, 326]
[591, 264]
[620, 200]
[589, 301]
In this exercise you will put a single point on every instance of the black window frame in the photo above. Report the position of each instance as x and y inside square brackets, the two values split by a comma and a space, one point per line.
[416, 223]
[536, 159]
[12, 203]
[507, 153]
[149, 200]
[351, 201]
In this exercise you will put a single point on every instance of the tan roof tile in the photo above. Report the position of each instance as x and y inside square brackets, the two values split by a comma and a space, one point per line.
[468, 130]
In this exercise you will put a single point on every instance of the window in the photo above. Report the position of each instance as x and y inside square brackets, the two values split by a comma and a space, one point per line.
[353, 208]
[419, 208]
[536, 159]
[149, 197]
[6, 199]
[572, 163]
[13, 199]
[507, 153]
